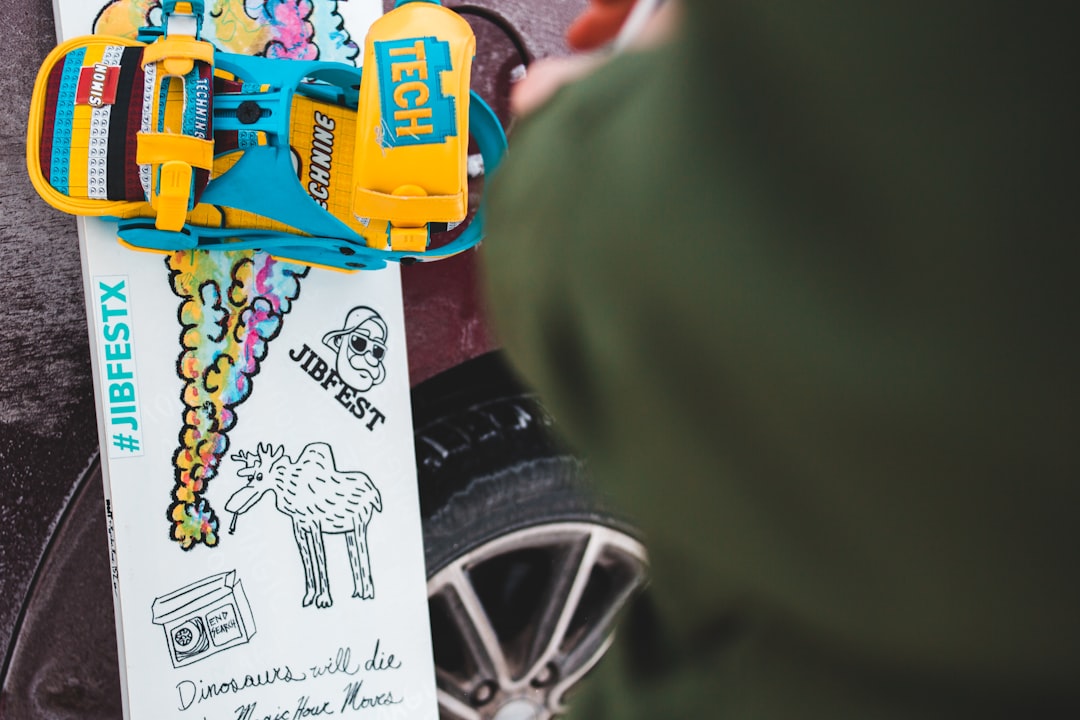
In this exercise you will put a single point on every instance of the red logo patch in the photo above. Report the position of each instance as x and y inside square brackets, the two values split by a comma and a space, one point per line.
[97, 85]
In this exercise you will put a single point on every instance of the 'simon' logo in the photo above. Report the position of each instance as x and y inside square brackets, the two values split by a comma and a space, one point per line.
[97, 85]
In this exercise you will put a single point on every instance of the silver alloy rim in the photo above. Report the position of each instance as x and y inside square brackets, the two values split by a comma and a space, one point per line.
[528, 614]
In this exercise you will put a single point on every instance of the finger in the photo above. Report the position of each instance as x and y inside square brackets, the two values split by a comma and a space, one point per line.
[544, 77]
[598, 24]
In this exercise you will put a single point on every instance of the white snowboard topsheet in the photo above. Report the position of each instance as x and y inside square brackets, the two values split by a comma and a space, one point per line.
[243, 370]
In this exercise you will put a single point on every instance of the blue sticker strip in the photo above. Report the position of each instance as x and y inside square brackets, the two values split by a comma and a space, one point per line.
[60, 163]
[196, 104]
[414, 109]
[163, 97]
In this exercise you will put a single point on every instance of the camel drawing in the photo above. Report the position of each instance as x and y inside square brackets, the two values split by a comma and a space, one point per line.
[320, 500]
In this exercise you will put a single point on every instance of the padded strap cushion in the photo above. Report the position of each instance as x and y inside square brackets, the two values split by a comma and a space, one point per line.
[88, 105]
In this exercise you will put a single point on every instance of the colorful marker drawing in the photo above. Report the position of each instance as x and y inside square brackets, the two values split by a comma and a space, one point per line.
[233, 305]
[320, 499]
[295, 29]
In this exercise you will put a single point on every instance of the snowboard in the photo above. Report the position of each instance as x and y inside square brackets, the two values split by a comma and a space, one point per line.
[255, 428]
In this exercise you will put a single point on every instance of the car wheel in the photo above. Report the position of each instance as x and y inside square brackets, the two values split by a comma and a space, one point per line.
[527, 569]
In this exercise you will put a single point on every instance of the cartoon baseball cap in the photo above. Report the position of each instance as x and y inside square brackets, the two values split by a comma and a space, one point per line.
[356, 317]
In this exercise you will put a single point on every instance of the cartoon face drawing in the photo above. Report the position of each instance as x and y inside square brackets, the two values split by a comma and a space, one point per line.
[360, 347]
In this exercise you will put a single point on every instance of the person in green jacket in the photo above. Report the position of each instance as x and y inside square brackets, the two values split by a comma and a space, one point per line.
[801, 283]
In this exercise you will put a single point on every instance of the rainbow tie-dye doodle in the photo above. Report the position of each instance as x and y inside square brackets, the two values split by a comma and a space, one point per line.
[293, 29]
[233, 305]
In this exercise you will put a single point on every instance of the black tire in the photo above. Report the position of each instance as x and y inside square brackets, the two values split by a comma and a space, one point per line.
[527, 567]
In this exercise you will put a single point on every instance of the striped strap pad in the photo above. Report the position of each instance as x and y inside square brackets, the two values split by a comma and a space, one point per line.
[92, 114]
[99, 97]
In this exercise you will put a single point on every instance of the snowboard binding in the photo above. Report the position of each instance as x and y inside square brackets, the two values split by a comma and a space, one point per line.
[318, 162]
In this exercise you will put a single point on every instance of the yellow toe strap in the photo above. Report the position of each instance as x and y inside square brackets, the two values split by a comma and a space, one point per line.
[177, 156]
[178, 53]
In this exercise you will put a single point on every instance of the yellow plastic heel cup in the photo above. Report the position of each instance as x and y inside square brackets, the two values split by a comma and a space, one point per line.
[412, 139]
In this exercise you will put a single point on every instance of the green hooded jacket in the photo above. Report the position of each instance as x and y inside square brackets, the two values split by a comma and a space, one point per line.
[802, 286]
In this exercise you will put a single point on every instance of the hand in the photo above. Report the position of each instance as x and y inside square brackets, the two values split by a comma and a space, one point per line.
[595, 28]
[599, 24]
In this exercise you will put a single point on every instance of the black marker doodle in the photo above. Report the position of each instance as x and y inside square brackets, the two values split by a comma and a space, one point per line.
[360, 347]
[319, 499]
[204, 618]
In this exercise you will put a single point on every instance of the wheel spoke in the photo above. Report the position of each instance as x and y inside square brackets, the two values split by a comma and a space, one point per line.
[455, 688]
[580, 670]
[453, 708]
[594, 640]
[468, 614]
[592, 646]
[562, 601]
